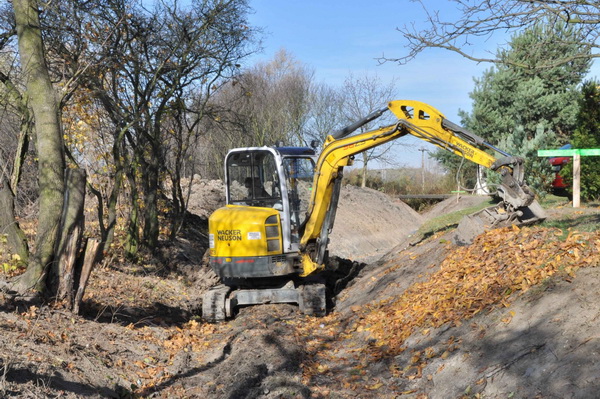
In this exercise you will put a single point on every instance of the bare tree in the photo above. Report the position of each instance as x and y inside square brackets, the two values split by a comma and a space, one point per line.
[326, 112]
[362, 96]
[51, 158]
[138, 68]
[152, 72]
[276, 95]
[267, 104]
[479, 20]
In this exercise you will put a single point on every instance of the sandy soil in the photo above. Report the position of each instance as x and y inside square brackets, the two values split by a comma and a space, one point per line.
[140, 336]
[368, 223]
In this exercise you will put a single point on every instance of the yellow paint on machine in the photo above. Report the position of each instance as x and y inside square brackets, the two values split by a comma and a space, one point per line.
[239, 231]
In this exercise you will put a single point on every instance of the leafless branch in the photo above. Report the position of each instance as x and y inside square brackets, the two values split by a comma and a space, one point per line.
[481, 19]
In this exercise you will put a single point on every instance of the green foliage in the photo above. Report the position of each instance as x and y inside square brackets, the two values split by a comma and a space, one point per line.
[526, 103]
[587, 135]
[554, 201]
[11, 264]
[537, 48]
[529, 95]
[539, 171]
[586, 222]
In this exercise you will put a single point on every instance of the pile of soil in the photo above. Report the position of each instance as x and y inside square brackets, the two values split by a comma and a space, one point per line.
[368, 223]
[205, 196]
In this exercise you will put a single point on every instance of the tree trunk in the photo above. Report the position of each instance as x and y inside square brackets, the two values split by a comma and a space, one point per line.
[92, 249]
[151, 173]
[150, 237]
[51, 161]
[111, 214]
[22, 146]
[64, 271]
[132, 240]
[178, 203]
[15, 237]
[113, 199]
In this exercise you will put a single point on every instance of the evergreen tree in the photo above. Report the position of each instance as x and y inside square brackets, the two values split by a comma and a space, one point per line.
[524, 108]
[587, 135]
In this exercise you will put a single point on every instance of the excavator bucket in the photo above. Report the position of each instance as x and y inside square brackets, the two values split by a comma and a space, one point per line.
[496, 217]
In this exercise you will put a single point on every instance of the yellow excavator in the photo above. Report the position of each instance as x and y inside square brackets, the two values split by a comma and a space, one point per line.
[270, 240]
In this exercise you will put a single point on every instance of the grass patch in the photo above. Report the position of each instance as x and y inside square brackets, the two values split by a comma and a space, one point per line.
[553, 201]
[447, 221]
[584, 223]
[570, 221]
[573, 219]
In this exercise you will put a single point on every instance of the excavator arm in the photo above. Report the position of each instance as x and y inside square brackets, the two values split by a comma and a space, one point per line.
[428, 124]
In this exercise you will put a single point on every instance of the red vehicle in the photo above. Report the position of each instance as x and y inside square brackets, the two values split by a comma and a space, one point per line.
[557, 164]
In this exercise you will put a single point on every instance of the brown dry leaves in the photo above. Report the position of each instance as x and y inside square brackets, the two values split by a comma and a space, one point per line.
[152, 369]
[470, 280]
[478, 277]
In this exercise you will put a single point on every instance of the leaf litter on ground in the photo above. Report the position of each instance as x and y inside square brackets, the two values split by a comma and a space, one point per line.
[500, 265]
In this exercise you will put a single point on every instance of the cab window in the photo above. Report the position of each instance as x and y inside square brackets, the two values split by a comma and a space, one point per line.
[252, 179]
[299, 179]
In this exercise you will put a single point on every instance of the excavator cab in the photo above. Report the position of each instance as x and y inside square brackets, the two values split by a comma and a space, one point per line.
[254, 240]
[278, 178]
[253, 179]
[268, 191]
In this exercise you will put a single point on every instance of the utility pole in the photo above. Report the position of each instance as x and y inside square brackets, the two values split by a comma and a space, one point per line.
[423, 168]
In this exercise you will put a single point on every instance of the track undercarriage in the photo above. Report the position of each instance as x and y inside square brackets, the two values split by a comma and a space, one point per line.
[221, 302]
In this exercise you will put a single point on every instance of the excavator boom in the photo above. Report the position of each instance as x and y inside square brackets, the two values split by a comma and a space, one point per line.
[425, 122]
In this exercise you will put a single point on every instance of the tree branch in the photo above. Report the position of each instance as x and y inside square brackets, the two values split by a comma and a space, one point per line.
[482, 19]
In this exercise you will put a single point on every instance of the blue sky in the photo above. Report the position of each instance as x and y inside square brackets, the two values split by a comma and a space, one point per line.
[336, 38]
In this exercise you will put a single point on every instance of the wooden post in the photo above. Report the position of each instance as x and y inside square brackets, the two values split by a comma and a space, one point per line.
[576, 179]
[576, 154]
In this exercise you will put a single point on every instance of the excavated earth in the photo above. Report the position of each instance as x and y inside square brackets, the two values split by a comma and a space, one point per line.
[139, 334]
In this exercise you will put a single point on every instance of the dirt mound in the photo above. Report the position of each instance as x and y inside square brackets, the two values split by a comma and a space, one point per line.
[368, 223]
[543, 346]
[394, 272]
[205, 196]
[535, 343]
[453, 204]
